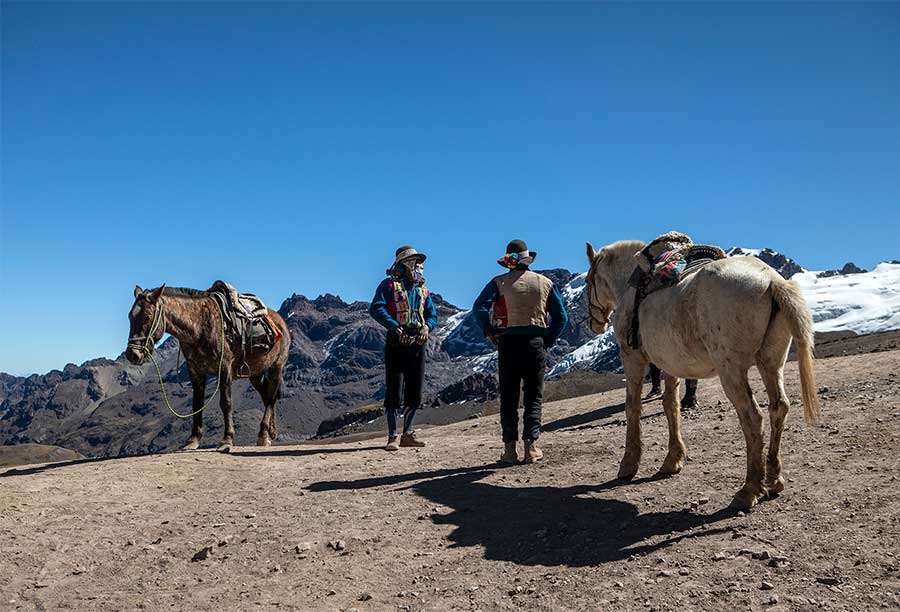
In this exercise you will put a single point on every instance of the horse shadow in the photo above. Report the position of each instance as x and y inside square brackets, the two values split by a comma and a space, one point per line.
[557, 526]
[576, 420]
[552, 526]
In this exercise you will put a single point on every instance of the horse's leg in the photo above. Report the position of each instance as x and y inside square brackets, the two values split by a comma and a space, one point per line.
[227, 409]
[269, 387]
[672, 405]
[634, 365]
[771, 368]
[737, 388]
[198, 382]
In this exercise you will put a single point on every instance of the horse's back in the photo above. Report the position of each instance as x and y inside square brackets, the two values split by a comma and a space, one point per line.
[720, 312]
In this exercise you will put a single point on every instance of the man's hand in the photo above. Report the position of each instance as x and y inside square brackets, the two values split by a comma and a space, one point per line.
[422, 336]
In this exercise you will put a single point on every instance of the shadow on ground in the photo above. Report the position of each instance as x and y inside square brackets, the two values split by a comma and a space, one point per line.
[569, 526]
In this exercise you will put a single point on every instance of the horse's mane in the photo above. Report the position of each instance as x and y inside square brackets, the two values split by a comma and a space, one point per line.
[185, 292]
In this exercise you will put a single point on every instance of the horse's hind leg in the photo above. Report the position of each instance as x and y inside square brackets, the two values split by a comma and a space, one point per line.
[672, 405]
[770, 363]
[737, 388]
[269, 387]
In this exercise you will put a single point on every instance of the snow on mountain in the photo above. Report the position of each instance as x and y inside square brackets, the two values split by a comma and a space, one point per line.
[595, 351]
[864, 303]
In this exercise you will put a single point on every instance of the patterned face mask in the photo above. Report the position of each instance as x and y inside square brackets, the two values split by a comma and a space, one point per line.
[419, 273]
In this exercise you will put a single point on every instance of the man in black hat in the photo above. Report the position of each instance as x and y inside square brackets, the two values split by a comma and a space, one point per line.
[513, 310]
[404, 307]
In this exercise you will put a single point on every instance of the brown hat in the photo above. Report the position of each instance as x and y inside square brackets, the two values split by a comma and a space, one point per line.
[405, 252]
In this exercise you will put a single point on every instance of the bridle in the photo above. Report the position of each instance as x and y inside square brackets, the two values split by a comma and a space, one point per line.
[593, 301]
[144, 344]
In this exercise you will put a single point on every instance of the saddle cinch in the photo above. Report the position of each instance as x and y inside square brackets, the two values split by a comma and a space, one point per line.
[247, 324]
[666, 261]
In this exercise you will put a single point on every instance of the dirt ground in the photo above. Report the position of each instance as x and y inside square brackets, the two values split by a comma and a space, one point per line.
[345, 526]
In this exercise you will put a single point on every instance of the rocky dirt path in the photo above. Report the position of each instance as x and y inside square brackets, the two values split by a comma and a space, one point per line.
[348, 526]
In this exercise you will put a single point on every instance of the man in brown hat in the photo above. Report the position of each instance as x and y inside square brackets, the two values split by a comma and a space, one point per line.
[513, 311]
[404, 307]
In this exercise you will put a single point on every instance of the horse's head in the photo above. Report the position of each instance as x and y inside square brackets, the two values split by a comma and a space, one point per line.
[601, 299]
[148, 324]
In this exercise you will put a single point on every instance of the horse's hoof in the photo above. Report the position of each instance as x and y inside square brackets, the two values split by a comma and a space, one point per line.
[263, 441]
[775, 487]
[744, 500]
[224, 447]
[626, 472]
[671, 466]
[191, 445]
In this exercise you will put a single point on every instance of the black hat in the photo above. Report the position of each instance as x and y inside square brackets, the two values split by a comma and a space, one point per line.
[520, 250]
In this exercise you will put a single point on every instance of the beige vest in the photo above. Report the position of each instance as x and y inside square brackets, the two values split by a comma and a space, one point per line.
[523, 299]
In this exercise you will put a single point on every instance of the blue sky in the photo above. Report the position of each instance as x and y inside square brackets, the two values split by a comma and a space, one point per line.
[291, 147]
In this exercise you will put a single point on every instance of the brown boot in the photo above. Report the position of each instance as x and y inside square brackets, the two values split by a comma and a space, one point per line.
[409, 439]
[393, 444]
[532, 453]
[509, 456]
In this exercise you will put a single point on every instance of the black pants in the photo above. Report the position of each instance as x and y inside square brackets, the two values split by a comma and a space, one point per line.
[523, 360]
[404, 366]
[690, 384]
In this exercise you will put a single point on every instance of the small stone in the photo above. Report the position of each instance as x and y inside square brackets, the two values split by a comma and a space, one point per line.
[829, 581]
[703, 500]
[766, 585]
[302, 547]
[719, 556]
[202, 554]
[666, 574]
[156, 541]
[761, 555]
[364, 596]
[276, 569]
[472, 588]
[337, 545]
[250, 515]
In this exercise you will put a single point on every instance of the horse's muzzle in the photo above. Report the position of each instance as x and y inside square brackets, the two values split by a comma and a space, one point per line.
[134, 356]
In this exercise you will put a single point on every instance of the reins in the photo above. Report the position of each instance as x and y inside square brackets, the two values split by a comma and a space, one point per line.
[592, 302]
[144, 344]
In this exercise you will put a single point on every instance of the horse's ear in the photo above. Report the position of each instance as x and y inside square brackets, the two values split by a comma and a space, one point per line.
[137, 291]
[157, 293]
[591, 254]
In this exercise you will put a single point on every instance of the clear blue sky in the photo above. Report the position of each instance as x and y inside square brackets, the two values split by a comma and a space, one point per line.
[291, 147]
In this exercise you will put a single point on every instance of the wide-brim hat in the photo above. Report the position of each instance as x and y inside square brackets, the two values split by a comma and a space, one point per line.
[520, 249]
[406, 252]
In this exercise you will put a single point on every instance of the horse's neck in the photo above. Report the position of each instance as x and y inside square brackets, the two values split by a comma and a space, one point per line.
[186, 318]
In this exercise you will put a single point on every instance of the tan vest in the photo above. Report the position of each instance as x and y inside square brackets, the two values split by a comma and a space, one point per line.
[523, 299]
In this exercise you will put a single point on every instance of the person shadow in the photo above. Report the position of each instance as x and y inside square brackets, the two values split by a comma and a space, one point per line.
[544, 525]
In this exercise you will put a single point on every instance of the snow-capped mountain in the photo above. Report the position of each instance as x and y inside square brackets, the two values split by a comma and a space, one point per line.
[861, 302]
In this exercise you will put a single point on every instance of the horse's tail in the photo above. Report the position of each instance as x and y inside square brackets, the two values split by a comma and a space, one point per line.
[790, 300]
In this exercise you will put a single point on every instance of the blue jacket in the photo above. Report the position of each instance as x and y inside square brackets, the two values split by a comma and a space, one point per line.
[555, 308]
[384, 295]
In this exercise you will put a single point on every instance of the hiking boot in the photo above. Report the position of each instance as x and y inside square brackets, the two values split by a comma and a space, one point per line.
[393, 444]
[509, 456]
[654, 391]
[532, 453]
[409, 439]
[689, 401]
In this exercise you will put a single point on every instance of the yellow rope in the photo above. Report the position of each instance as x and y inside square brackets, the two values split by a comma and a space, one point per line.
[218, 375]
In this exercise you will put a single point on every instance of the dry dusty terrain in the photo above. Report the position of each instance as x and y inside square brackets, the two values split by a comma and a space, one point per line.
[345, 525]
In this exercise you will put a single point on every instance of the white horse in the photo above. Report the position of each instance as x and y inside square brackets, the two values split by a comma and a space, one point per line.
[730, 315]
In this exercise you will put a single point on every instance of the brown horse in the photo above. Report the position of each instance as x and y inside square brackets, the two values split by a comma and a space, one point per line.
[194, 318]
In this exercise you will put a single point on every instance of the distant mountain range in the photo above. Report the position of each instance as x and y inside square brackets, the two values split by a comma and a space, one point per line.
[109, 407]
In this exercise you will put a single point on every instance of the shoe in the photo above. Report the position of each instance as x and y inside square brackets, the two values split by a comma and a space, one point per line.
[509, 456]
[532, 453]
[393, 444]
[409, 439]
[689, 401]
[654, 391]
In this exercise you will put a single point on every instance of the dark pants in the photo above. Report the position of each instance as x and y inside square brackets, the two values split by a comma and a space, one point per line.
[523, 360]
[690, 384]
[404, 366]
